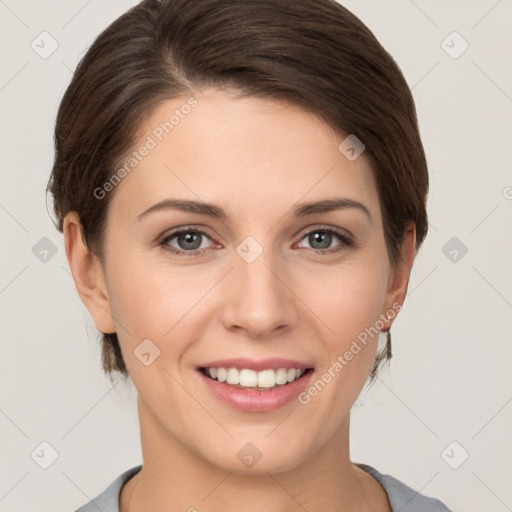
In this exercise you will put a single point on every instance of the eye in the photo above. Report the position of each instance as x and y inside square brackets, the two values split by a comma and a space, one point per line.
[193, 242]
[188, 242]
[320, 240]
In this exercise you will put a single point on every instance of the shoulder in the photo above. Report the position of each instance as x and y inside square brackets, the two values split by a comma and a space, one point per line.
[402, 497]
[108, 500]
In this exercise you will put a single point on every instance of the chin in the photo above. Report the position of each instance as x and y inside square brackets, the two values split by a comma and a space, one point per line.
[257, 457]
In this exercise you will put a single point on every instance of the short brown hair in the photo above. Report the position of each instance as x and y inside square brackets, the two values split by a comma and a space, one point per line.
[313, 53]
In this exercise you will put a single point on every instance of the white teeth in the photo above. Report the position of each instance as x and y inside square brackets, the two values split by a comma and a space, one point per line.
[291, 374]
[266, 379]
[221, 374]
[233, 376]
[281, 376]
[248, 378]
[251, 379]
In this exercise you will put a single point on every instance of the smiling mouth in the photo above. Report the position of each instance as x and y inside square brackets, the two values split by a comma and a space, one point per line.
[246, 378]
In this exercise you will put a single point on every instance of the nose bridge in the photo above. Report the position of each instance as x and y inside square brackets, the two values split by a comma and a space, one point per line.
[258, 299]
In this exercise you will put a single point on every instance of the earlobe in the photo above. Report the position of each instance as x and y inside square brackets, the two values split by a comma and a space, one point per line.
[399, 276]
[88, 274]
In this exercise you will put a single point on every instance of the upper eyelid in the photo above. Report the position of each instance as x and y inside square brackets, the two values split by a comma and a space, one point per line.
[320, 227]
[185, 229]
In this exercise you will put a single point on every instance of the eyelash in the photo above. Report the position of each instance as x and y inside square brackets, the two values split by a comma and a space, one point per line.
[164, 242]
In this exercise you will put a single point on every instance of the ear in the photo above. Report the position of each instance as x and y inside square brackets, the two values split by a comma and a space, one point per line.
[87, 274]
[399, 275]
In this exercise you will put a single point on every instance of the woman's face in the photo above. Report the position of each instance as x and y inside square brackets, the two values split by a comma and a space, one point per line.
[265, 280]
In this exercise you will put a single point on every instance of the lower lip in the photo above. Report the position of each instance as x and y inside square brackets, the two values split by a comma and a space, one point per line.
[253, 400]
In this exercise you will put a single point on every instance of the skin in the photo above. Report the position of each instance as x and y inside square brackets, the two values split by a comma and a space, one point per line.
[255, 158]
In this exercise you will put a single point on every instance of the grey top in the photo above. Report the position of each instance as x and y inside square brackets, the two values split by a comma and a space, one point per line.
[401, 497]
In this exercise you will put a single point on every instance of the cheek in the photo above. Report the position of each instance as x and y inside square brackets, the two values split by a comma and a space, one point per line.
[151, 297]
[167, 304]
[349, 299]
[150, 300]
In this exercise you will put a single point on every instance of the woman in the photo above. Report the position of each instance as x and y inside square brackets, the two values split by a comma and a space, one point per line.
[241, 186]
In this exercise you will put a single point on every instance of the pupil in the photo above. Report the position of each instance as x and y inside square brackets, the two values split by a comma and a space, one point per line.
[322, 237]
[189, 240]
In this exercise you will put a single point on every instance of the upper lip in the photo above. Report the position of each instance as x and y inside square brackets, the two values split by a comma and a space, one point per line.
[251, 364]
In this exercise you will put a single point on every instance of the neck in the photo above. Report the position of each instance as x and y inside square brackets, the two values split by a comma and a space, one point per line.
[174, 477]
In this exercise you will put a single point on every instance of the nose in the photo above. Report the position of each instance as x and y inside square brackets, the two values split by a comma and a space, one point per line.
[258, 298]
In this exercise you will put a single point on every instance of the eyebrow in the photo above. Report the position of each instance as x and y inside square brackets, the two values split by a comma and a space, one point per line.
[301, 210]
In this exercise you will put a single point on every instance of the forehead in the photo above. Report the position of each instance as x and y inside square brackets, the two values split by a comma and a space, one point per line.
[250, 153]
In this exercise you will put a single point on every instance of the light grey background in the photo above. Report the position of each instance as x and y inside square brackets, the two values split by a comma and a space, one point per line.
[450, 378]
